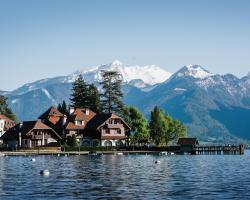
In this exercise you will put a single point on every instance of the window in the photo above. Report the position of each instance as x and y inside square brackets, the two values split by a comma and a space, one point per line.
[79, 122]
[119, 131]
[108, 131]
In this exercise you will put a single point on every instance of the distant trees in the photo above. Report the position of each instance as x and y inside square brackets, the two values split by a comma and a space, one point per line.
[111, 96]
[5, 110]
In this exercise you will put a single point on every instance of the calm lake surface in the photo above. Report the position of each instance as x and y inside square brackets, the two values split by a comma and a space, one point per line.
[126, 177]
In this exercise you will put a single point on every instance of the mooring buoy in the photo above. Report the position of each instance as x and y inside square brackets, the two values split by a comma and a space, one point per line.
[44, 172]
[157, 162]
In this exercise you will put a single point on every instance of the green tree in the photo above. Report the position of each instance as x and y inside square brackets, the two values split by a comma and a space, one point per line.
[158, 126]
[138, 125]
[93, 98]
[111, 97]
[163, 128]
[5, 110]
[63, 108]
[79, 96]
[176, 130]
[72, 141]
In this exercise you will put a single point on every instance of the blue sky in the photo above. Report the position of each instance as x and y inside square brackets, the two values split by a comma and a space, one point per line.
[46, 38]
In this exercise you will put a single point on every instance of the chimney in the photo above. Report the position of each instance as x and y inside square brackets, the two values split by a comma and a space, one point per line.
[87, 111]
[64, 120]
[71, 110]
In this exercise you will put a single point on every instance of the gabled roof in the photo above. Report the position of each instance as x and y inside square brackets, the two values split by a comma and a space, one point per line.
[101, 118]
[24, 128]
[8, 122]
[81, 115]
[52, 111]
[188, 141]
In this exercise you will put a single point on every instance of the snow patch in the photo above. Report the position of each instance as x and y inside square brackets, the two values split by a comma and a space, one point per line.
[180, 89]
[49, 96]
[14, 101]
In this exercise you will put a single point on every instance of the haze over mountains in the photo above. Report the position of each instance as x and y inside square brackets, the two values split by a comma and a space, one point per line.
[216, 108]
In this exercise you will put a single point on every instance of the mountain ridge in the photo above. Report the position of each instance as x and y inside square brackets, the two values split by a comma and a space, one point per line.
[192, 94]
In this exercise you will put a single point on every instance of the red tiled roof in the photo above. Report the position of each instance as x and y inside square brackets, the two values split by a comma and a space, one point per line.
[100, 119]
[8, 122]
[79, 114]
[52, 111]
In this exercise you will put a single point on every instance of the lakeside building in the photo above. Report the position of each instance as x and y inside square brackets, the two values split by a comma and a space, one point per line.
[90, 128]
[5, 124]
[29, 134]
[187, 145]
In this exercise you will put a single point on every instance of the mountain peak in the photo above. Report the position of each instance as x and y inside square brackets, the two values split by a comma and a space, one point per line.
[195, 71]
[116, 62]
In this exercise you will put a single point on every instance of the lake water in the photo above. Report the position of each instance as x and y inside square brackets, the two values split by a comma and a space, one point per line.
[126, 177]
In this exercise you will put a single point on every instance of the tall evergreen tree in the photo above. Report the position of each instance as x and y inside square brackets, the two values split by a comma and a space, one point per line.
[79, 96]
[111, 97]
[158, 126]
[5, 110]
[93, 98]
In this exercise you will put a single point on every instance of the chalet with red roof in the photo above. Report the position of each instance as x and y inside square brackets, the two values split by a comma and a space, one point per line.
[30, 134]
[91, 129]
[106, 130]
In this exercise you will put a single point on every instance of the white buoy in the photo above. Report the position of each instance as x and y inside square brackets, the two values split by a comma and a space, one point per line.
[157, 162]
[33, 160]
[119, 154]
[44, 172]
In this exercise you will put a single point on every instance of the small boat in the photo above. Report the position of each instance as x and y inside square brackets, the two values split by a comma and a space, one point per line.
[92, 153]
[165, 153]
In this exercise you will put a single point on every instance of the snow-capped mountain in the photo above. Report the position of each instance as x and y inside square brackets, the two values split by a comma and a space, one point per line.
[149, 75]
[194, 71]
[139, 76]
[214, 107]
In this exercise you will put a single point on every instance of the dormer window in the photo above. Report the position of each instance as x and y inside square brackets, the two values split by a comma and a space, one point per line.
[79, 122]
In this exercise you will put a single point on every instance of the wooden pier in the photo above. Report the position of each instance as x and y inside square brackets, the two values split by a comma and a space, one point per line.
[218, 149]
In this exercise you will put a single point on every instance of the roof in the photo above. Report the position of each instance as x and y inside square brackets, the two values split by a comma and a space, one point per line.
[79, 114]
[52, 111]
[8, 123]
[25, 127]
[101, 118]
[187, 141]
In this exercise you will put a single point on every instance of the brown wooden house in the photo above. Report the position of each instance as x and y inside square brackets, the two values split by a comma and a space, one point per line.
[187, 145]
[30, 134]
[106, 130]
